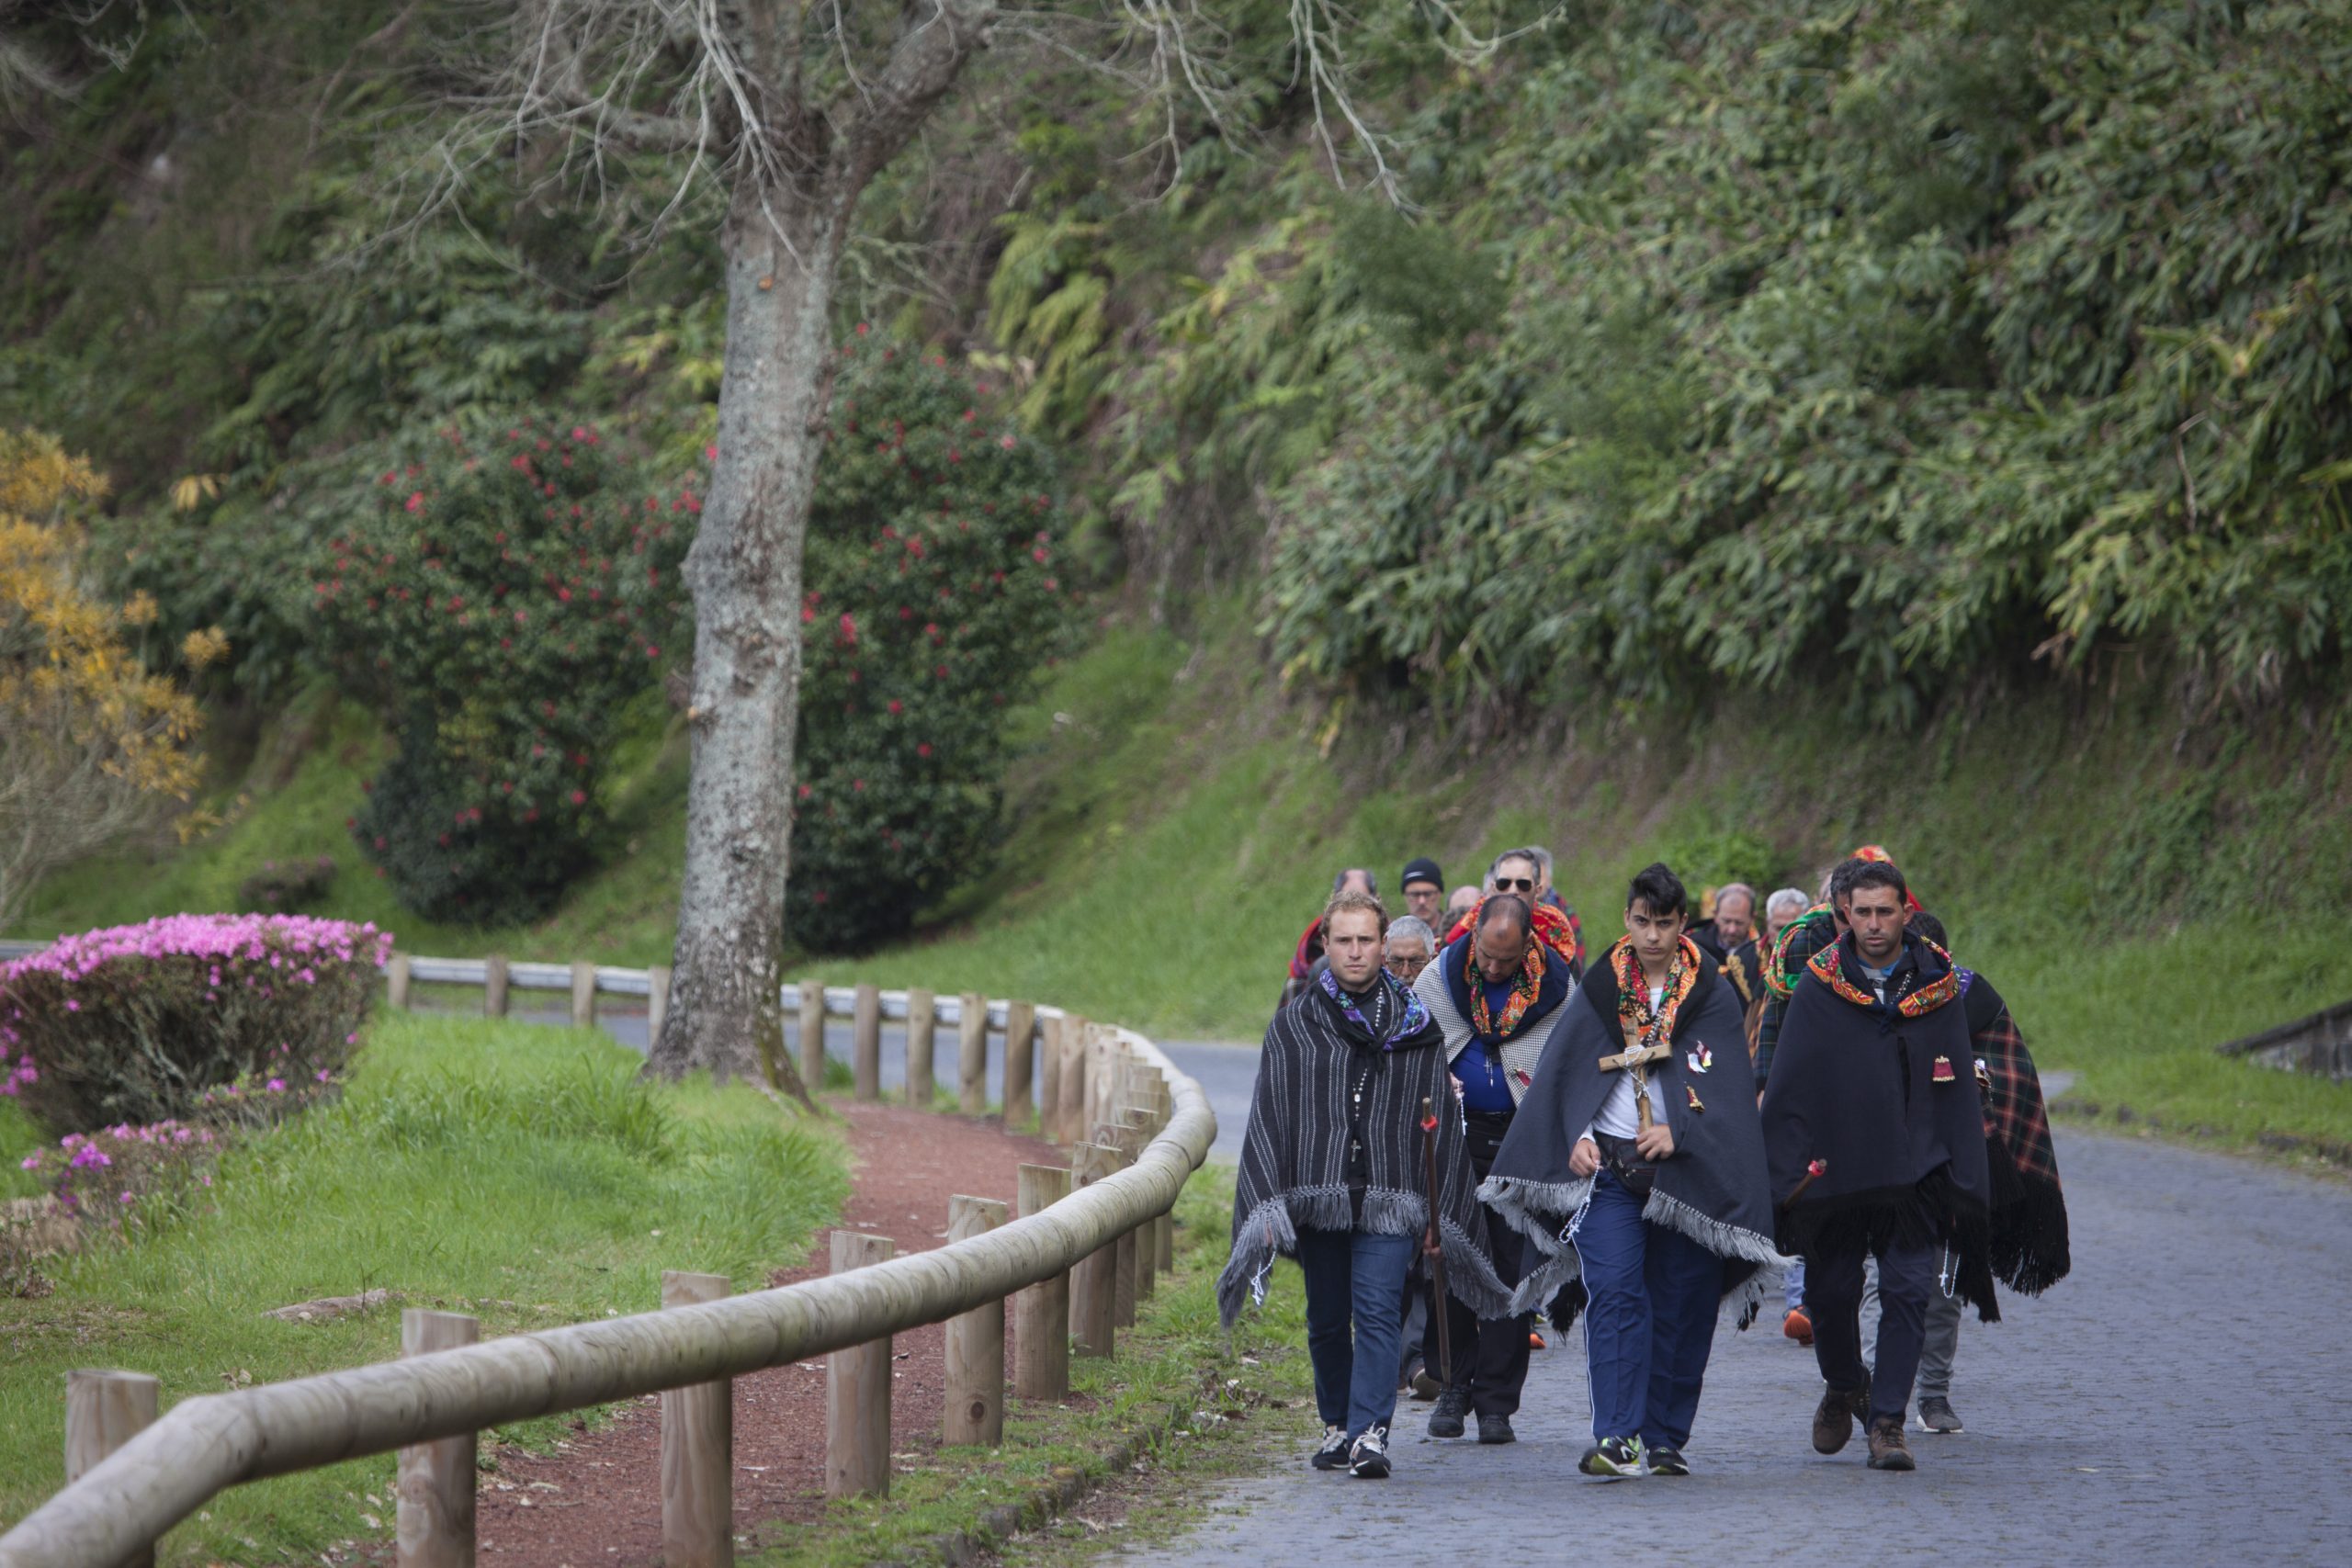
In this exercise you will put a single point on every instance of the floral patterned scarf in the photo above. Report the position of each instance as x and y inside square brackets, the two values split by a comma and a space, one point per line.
[1644, 1026]
[1523, 987]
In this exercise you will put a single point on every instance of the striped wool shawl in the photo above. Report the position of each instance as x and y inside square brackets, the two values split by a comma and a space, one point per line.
[1294, 1171]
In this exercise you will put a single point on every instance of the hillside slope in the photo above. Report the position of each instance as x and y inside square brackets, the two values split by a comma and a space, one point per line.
[2139, 894]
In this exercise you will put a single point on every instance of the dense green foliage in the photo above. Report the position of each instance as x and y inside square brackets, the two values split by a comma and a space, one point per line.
[1894, 348]
[933, 601]
[498, 599]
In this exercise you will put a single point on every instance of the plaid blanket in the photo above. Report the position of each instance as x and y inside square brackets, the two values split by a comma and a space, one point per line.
[2030, 1242]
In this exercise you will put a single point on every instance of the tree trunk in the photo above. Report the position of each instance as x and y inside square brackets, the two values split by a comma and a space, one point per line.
[744, 574]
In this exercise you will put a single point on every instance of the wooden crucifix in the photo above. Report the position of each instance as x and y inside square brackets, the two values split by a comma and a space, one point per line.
[1632, 1060]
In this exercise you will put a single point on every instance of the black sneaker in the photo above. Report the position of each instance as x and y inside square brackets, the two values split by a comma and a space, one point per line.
[1495, 1429]
[1445, 1420]
[1666, 1460]
[1937, 1416]
[1612, 1456]
[1332, 1452]
[1369, 1459]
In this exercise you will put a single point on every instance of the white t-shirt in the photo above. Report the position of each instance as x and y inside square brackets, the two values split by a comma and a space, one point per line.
[1620, 1114]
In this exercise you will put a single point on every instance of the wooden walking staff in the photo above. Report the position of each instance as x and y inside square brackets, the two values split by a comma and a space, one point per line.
[1632, 1060]
[1430, 1247]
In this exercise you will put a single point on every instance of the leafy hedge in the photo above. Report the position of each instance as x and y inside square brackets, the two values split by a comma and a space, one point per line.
[137, 1024]
[934, 599]
[1888, 349]
[499, 600]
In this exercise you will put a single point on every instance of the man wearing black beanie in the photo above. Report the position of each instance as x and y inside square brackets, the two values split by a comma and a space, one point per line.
[1424, 888]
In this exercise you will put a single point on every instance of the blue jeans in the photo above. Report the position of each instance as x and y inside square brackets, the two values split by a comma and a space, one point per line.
[1358, 1275]
[1651, 1320]
[1792, 1286]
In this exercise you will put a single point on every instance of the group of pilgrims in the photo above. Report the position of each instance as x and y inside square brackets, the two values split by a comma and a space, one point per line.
[1455, 1134]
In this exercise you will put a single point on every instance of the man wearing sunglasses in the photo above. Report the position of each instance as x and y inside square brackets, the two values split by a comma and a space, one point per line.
[1527, 872]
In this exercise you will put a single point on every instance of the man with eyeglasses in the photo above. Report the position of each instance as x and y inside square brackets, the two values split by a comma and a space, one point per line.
[1527, 872]
[1424, 888]
[1411, 945]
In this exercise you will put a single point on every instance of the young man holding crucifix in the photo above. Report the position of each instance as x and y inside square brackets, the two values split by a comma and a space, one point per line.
[1637, 1165]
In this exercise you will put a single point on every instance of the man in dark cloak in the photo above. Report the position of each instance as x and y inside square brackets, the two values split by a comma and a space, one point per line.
[1492, 993]
[1645, 1179]
[1332, 1174]
[2029, 1250]
[1875, 1138]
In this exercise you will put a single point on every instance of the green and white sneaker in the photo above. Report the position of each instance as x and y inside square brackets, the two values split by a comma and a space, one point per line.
[1612, 1456]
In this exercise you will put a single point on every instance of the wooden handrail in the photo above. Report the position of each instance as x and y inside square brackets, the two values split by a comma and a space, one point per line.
[210, 1443]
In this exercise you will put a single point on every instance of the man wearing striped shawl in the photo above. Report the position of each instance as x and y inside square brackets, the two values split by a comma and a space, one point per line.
[1332, 1175]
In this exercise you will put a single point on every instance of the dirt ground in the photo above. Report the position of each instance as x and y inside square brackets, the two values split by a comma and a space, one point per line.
[599, 1500]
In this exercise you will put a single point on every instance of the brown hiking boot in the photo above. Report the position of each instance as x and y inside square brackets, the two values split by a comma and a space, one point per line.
[1834, 1418]
[1888, 1450]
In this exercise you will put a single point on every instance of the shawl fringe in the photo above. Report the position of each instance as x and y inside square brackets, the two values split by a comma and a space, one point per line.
[2031, 1251]
[1274, 1225]
[1545, 1212]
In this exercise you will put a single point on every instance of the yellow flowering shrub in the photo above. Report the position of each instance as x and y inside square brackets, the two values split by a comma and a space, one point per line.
[92, 743]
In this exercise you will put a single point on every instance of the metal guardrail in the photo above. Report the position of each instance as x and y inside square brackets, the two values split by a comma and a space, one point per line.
[117, 1508]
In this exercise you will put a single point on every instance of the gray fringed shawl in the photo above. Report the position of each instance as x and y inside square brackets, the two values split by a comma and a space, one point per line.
[1713, 1189]
[1295, 1157]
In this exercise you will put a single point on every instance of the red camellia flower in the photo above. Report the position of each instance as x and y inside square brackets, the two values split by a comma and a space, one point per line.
[416, 502]
[806, 792]
[858, 784]
[579, 797]
[895, 706]
[923, 750]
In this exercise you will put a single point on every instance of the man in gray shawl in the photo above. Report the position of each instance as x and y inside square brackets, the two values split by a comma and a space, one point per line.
[1332, 1174]
[1636, 1162]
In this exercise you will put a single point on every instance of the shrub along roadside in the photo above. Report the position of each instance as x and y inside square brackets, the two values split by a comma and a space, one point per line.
[469, 1162]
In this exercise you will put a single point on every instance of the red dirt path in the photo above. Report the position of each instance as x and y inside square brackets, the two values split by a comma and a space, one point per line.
[599, 1501]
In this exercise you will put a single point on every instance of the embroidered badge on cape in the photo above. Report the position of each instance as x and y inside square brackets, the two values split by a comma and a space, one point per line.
[1942, 1072]
[1698, 1056]
[1694, 1098]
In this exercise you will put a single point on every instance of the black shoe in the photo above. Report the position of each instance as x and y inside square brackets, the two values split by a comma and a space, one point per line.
[1332, 1453]
[1425, 1386]
[1834, 1418]
[1888, 1450]
[1495, 1429]
[1937, 1416]
[1369, 1459]
[1445, 1420]
[1666, 1460]
[1612, 1456]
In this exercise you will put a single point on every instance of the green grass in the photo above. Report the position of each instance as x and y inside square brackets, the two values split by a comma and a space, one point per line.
[522, 1174]
[1176, 1359]
[2140, 893]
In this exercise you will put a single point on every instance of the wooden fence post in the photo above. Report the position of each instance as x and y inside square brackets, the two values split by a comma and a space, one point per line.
[1020, 1054]
[697, 1450]
[1146, 1235]
[104, 1411]
[1049, 1077]
[972, 1055]
[1093, 1280]
[493, 986]
[1073, 1084]
[857, 1393]
[1041, 1313]
[657, 1003]
[584, 994]
[1126, 1276]
[434, 1519]
[975, 1403]
[396, 982]
[866, 1042]
[812, 1035]
[922, 1018]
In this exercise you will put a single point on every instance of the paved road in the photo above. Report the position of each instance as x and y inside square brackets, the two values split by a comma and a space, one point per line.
[2181, 1399]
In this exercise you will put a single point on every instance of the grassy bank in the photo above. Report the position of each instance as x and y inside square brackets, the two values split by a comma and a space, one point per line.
[2141, 891]
[1202, 1404]
[520, 1174]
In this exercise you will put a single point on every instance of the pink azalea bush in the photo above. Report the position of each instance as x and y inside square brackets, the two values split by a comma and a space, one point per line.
[131, 1025]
